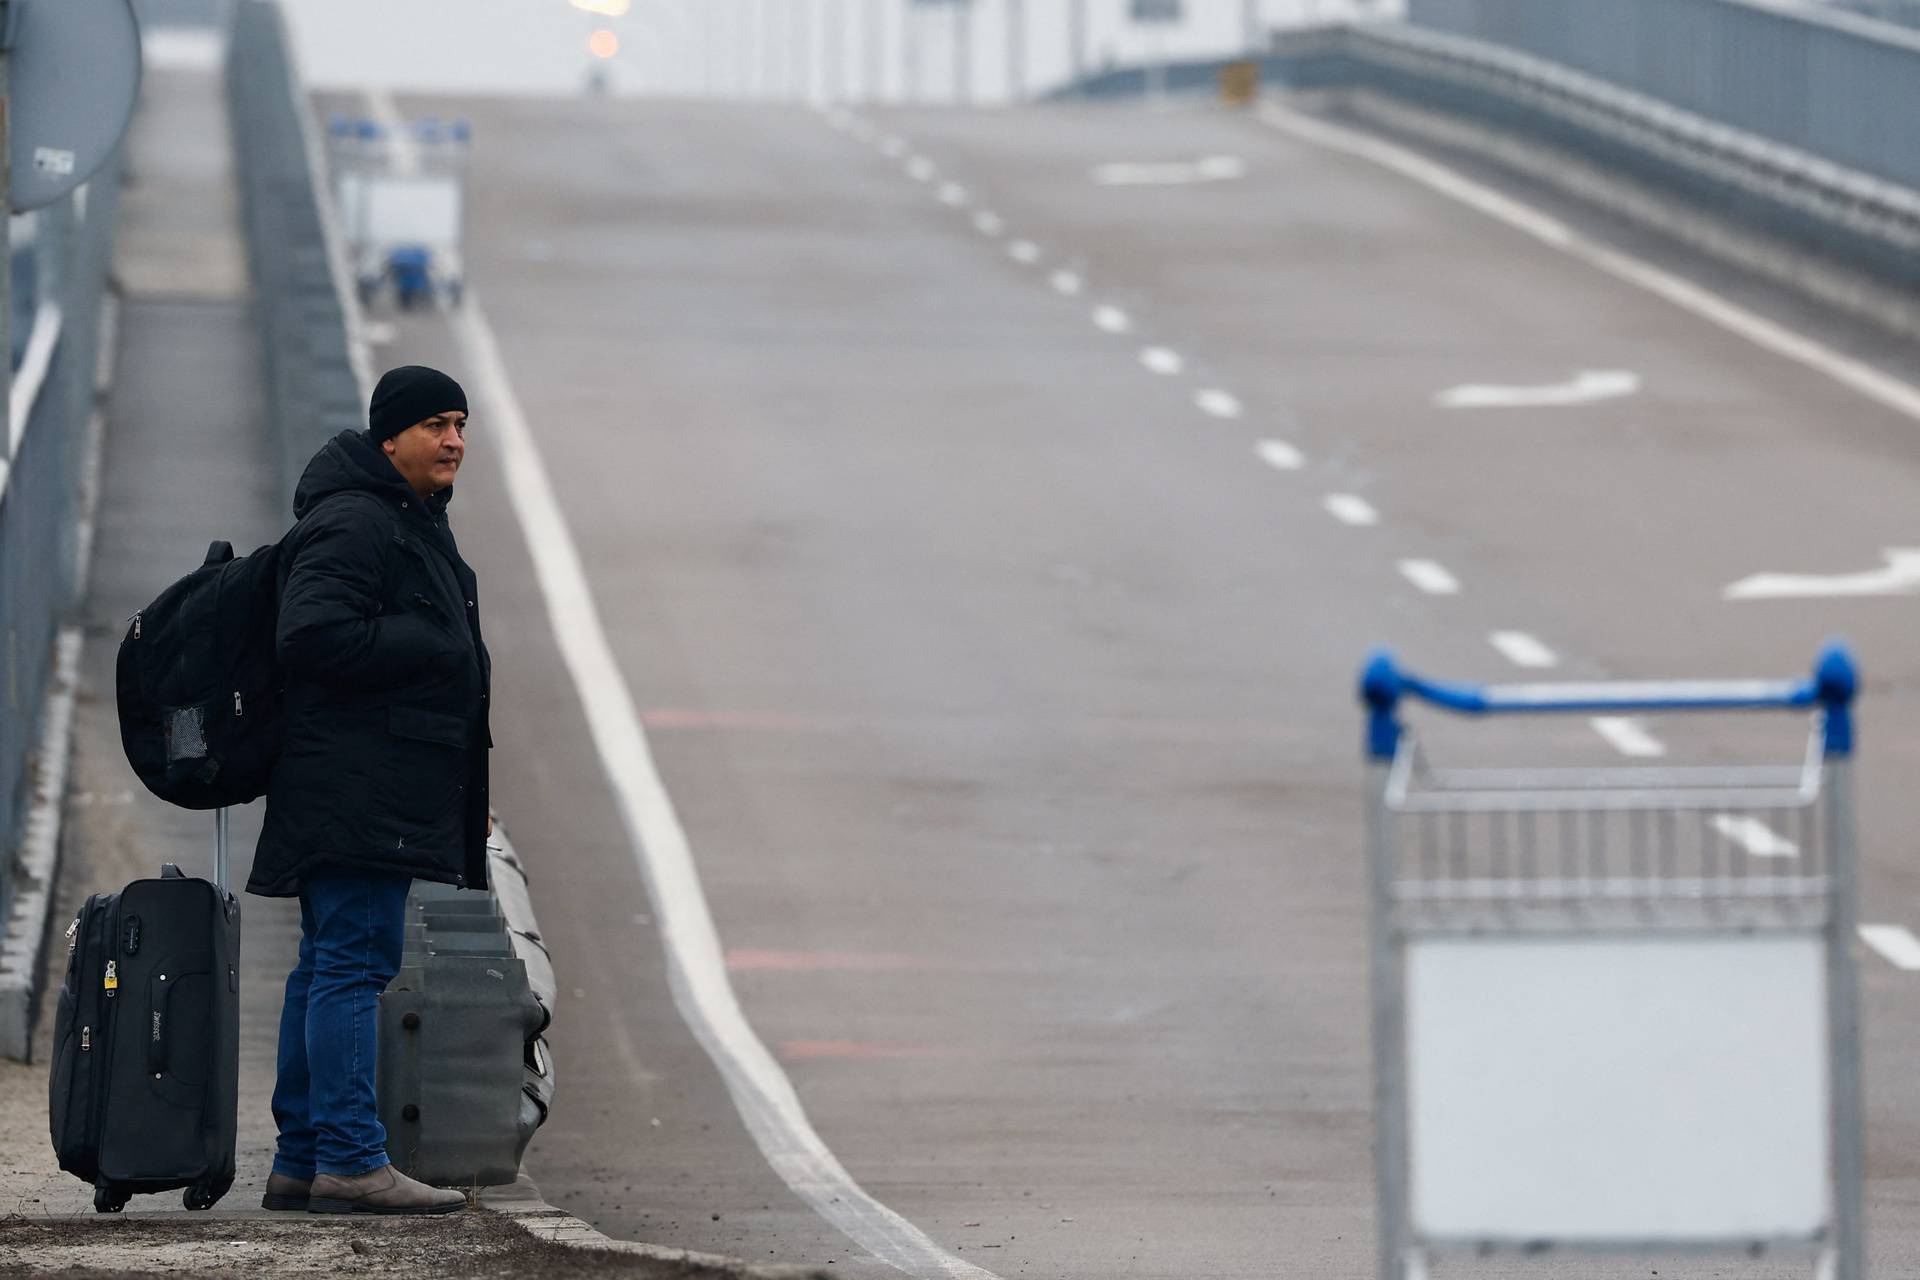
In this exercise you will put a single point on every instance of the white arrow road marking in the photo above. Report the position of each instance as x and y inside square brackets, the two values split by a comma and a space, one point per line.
[1628, 736]
[1349, 508]
[1587, 388]
[1899, 577]
[1111, 320]
[1280, 455]
[1024, 251]
[1430, 577]
[988, 223]
[1220, 404]
[1162, 360]
[696, 965]
[1522, 650]
[1895, 943]
[1066, 282]
[1169, 173]
[1755, 836]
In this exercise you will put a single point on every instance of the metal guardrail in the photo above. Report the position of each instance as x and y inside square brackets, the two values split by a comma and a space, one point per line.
[59, 290]
[1841, 213]
[1823, 81]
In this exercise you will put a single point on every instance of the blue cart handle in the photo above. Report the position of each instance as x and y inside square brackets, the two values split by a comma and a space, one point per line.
[1831, 686]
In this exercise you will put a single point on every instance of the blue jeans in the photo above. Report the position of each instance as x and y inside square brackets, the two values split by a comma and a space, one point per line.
[352, 928]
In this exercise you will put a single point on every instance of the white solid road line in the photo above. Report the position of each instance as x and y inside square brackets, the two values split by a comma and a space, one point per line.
[1430, 577]
[402, 150]
[1162, 360]
[696, 965]
[988, 223]
[1628, 736]
[1901, 397]
[1280, 455]
[1522, 650]
[1024, 251]
[1220, 404]
[1351, 508]
[1588, 388]
[1066, 283]
[1755, 836]
[1900, 576]
[1111, 320]
[1895, 943]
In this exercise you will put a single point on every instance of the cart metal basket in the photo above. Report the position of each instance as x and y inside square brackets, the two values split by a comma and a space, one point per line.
[1615, 1009]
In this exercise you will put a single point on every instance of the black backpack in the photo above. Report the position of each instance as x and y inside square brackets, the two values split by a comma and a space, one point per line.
[200, 689]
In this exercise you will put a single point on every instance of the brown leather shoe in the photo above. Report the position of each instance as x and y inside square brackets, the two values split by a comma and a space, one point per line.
[382, 1190]
[285, 1193]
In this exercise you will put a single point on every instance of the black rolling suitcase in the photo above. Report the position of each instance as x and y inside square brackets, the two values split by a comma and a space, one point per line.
[144, 1091]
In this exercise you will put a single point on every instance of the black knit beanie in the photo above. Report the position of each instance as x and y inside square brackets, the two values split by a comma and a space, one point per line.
[412, 393]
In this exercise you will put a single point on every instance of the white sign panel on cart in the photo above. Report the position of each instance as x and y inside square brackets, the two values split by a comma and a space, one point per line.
[1627, 1088]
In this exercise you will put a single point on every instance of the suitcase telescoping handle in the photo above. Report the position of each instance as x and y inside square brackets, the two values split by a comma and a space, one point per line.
[220, 843]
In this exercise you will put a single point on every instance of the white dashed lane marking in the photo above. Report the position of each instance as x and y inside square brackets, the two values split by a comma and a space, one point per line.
[1895, 943]
[1628, 736]
[952, 193]
[1351, 508]
[988, 223]
[1279, 455]
[1024, 251]
[1220, 404]
[1162, 360]
[1066, 283]
[1755, 836]
[892, 147]
[1522, 650]
[1111, 320]
[1430, 577]
[921, 169]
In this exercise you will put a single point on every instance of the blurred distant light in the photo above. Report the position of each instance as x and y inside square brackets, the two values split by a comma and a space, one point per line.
[603, 43]
[605, 8]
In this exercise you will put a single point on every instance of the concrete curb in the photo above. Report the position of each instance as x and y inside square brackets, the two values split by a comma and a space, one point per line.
[26, 927]
[522, 1205]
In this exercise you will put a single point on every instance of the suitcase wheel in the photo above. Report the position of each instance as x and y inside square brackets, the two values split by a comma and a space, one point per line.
[200, 1196]
[108, 1199]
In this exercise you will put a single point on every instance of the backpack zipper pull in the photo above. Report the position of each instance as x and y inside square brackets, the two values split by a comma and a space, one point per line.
[86, 1039]
[136, 626]
[112, 983]
[72, 932]
[236, 702]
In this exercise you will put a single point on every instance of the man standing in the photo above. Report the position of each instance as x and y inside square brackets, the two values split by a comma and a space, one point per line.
[382, 777]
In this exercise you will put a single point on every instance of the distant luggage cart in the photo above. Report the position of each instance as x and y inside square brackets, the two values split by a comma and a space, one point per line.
[403, 207]
[1614, 1009]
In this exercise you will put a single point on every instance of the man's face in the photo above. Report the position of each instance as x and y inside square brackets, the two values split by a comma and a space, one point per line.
[429, 453]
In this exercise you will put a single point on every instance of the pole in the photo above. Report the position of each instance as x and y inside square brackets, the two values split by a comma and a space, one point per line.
[1250, 25]
[876, 35]
[963, 51]
[7, 18]
[910, 51]
[1016, 51]
[1077, 39]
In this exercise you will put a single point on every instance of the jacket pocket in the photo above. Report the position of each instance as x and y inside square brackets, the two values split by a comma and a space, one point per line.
[422, 725]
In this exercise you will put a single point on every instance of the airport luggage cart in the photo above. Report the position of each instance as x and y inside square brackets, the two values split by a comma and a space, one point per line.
[403, 207]
[1614, 1009]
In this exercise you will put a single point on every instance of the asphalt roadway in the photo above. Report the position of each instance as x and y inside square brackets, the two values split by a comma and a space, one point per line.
[1004, 688]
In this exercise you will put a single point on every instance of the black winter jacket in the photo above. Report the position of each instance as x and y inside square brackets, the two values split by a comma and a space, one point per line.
[384, 765]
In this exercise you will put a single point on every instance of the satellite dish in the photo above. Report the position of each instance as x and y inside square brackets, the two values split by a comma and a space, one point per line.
[73, 76]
